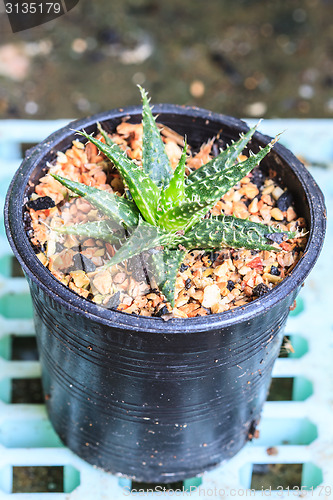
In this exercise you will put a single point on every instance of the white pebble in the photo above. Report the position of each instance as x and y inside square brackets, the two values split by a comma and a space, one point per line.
[276, 193]
[211, 295]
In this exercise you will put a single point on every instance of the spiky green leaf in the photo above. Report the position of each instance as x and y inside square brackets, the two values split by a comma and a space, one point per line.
[100, 230]
[165, 267]
[110, 142]
[105, 135]
[230, 231]
[119, 209]
[173, 195]
[155, 161]
[144, 191]
[225, 159]
[144, 237]
[178, 218]
[203, 194]
[209, 190]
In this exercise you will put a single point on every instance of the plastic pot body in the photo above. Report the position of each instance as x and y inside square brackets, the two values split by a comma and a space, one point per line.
[155, 407]
[158, 401]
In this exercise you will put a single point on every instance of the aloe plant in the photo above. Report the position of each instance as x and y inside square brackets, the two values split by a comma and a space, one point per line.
[166, 209]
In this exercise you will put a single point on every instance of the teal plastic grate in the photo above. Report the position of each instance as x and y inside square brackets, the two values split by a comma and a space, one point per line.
[296, 432]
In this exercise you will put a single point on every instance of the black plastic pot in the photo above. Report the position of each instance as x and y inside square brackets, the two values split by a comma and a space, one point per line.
[158, 401]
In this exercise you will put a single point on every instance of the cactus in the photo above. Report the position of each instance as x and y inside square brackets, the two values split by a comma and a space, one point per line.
[166, 209]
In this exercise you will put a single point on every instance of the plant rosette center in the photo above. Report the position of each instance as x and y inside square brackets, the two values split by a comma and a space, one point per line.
[136, 219]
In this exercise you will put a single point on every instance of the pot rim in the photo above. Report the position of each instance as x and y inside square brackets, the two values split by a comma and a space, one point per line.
[35, 270]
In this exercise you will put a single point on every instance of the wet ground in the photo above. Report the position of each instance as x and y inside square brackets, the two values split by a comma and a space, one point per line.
[245, 58]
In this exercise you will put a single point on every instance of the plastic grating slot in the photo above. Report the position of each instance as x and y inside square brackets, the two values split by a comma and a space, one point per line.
[292, 478]
[276, 476]
[25, 146]
[17, 348]
[24, 348]
[290, 389]
[10, 267]
[295, 431]
[187, 486]
[38, 479]
[170, 487]
[296, 478]
[293, 346]
[153, 487]
[27, 390]
[21, 391]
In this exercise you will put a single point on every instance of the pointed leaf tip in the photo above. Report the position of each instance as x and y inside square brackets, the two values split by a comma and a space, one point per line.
[155, 160]
[173, 195]
[145, 193]
[166, 265]
[119, 209]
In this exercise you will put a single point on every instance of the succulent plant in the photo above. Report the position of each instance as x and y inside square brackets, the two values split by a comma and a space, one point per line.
[166, 210]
